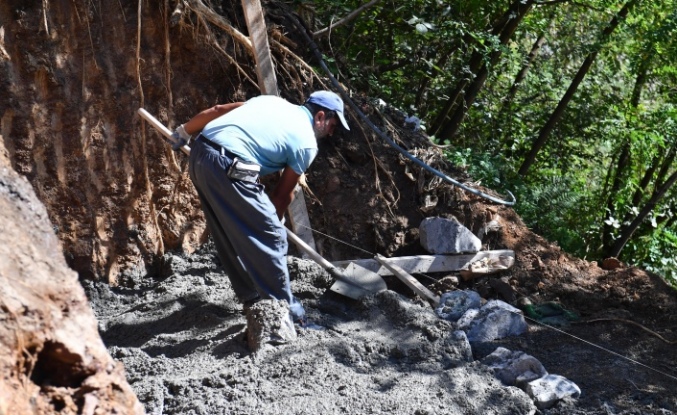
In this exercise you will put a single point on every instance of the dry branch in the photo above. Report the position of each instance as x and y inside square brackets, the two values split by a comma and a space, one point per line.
[234, 63]
[298, 59]
[346, 19]
[199, 8]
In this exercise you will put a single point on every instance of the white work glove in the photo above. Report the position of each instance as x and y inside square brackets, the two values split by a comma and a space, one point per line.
[180, 137]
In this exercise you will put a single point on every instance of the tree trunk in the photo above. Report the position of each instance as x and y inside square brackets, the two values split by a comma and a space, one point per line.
[475, 63]
[522, 74]
[469, 88]
[620, 174]
[621, 167]
[423, 86]
[647, 178]
[564, 102]
[648, 208]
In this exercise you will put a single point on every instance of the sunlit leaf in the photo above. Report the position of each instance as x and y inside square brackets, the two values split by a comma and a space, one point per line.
[421, 28]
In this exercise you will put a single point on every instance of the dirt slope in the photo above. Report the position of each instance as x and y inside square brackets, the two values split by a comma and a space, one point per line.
[52, 359]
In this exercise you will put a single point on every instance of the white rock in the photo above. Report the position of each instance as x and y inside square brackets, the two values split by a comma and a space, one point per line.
[447, 236]
[514, 368]
[549, 389]
[495, 320]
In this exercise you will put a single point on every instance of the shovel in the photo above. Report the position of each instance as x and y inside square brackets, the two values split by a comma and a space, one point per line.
[354, 281]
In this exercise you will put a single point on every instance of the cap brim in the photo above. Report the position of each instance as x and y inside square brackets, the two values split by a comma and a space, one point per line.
[343, 120]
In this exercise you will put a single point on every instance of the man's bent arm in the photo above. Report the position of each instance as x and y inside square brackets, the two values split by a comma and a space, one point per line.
[198, 122]
[283, 193]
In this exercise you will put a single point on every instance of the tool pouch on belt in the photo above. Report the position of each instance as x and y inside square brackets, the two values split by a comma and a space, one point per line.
[241, 170]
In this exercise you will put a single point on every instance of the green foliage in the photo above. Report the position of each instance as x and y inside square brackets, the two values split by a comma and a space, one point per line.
[555, 208]
[488, 169]
[393, 49]
[415, 53]
[652, 250]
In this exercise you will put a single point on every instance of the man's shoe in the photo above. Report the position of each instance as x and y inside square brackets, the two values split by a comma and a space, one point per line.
[248, 304]
[268, 322]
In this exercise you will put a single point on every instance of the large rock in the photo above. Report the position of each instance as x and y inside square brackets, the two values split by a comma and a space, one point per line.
[494, 320]
[447, 236]
[514, 368]
[454, 304]
[52, 359]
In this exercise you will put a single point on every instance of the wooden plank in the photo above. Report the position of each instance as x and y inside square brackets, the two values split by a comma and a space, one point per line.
[259, 36]
[410, 281]
[299, 222]
[431, 263]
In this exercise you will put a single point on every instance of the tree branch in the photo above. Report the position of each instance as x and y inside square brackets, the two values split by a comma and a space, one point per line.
[346, 19]
[575, 3]
[199, 8]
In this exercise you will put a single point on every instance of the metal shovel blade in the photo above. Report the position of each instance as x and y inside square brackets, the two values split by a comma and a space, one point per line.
[354, 282]
[358, 282]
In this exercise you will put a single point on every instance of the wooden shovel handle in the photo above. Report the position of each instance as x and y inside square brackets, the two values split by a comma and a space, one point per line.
[410, 281]
[160, 127]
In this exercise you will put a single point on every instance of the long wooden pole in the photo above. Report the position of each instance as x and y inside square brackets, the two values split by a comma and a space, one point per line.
[297, 212]
[409, 280]
[259, 37]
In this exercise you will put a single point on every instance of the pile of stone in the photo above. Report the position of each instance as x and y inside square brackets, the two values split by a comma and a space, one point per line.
[494, 320]
[481, 323]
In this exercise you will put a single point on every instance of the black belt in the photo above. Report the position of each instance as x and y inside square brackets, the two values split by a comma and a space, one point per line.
[238, 169]
[216, 147]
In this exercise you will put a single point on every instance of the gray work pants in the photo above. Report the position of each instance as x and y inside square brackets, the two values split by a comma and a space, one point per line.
[250, 239]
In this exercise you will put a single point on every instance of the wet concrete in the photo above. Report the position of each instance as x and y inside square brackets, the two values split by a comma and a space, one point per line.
[182, 340]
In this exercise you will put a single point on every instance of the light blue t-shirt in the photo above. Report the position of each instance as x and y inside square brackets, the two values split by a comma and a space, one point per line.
[269, 131]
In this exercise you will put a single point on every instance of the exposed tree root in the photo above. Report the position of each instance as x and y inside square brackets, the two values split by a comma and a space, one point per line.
[200, 9]
[378, 165]
[235, 64]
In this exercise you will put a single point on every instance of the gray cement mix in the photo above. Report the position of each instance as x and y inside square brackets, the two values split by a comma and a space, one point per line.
[181, 337]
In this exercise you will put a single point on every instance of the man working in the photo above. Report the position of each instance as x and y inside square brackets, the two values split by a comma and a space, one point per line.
[237, 143]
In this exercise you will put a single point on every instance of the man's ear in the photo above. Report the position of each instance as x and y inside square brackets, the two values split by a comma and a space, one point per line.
[320, 116]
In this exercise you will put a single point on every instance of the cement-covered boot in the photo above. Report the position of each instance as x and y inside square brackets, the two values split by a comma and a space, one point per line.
[269, 322]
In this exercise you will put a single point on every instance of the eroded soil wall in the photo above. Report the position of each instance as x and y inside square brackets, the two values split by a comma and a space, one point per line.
[52, 358]
[72, 76]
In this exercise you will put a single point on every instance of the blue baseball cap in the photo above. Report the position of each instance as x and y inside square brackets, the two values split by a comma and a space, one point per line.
[330, 101]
